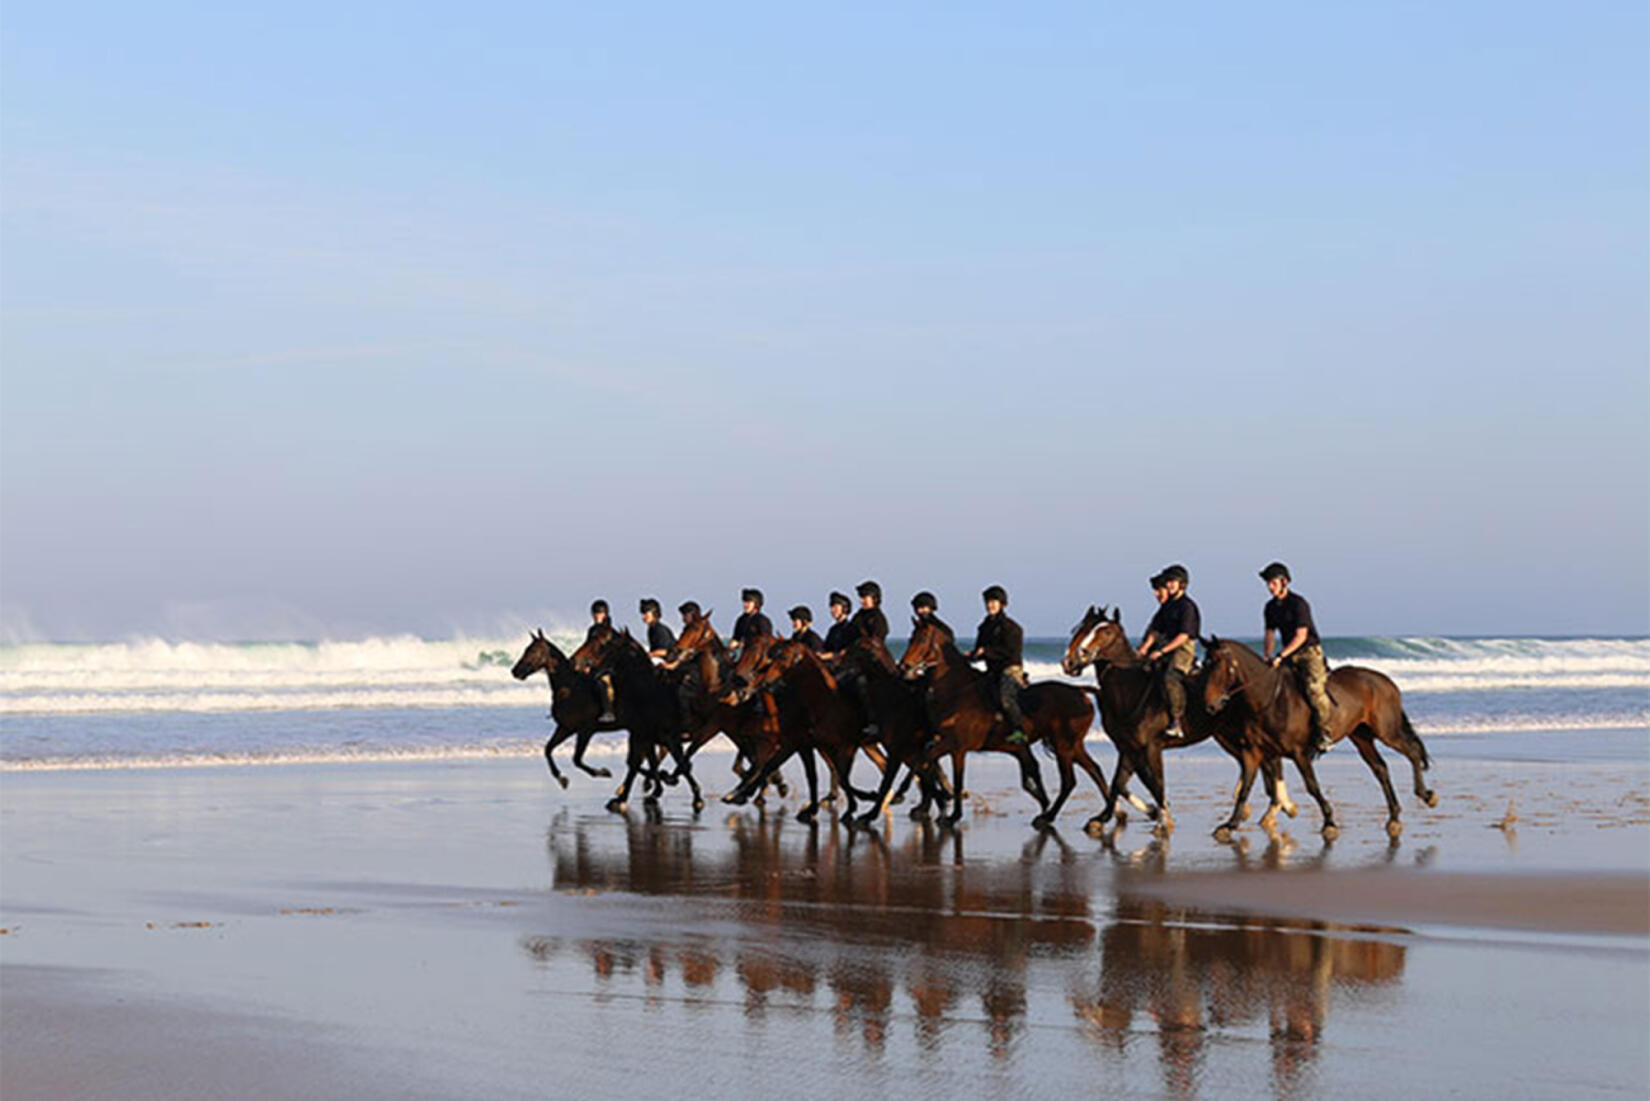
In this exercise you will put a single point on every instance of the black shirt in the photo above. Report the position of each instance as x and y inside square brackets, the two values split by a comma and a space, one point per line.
[751, 625]
[871, 623]
[1178, 617]
[809, 638]
[1000, 642]
[841, 636]
[1288, 615]
[659, 637]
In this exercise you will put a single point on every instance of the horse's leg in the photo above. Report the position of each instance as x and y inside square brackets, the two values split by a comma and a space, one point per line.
[955, 816]
[1068, 780]
[1372, 758]
[1031, 777]
[843, 761]
[579, 746]
[1303, 764]
[684, 770]
[1152, 775]
[633, 764]
[811, 771]
[1248, 762]
[1405, 741]
[1270, 775]
[560, 735]
[755, 778]
[1120, 774]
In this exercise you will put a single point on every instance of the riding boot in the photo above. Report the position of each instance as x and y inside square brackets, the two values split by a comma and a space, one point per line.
[1174, 692]
[1008, 694]
[862, 696]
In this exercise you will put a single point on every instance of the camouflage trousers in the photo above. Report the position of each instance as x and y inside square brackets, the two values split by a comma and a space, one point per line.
[1313, 674]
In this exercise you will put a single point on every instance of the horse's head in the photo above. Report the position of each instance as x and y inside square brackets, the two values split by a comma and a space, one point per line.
[595, 651]
[1223, 662]
[1098, 638]
[541, 653]
[925, 650]
[697, 636]
[779, 657]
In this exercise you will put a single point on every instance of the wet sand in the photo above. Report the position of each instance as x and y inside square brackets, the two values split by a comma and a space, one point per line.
[470, 930]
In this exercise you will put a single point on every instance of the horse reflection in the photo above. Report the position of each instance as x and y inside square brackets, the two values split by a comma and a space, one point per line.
[1191, 972]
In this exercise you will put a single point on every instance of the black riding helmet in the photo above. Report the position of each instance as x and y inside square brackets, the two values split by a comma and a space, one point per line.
[995, 592]
[1159, 581]
[925, 599]
[1275, 570]
[802, 612]
[840, 600]
[870, 589]
[649, 604]
[1177, 572]
[690, 610]
[599, 606]
[752, 595]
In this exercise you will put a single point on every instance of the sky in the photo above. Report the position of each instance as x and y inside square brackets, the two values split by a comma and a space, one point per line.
[323, 320]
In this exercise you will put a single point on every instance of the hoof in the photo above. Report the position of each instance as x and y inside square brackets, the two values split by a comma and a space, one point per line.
[919, 814]
[1041, 822]
[897, 799]
[562, 780]
[807, 815]
[1292, 810]
[1094, 827]
[1223, 834]
[698, 805]
[600, 774]
[1430, 798]
[1331, 831]
[733, 800]
[1394, 828]
[1268, 821]
[669, 778]
[617, 806]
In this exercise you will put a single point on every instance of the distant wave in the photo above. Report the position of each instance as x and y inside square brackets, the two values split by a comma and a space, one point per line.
[154, 676]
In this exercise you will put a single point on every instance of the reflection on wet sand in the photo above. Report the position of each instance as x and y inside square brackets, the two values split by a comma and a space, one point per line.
[784, 910]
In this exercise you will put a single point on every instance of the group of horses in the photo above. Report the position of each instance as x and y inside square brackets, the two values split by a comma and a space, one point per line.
[776, 699]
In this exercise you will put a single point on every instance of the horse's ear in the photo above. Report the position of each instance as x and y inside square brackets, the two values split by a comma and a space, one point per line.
[539, 634]
[1090, 613]
[1117, 614]
[1211, 642]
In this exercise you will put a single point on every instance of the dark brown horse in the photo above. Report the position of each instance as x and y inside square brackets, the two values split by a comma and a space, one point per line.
[831, 727]
[1367, 708]
[646, 706]
[573, 702]
[901, 709]
[966, 719]
[1135, 717]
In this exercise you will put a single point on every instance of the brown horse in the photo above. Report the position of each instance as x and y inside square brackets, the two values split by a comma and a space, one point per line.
[1367, 708]
[967, 720]
[832, 726]
[1135, 716]
[902, 715]
[646, 706]
[573, 702]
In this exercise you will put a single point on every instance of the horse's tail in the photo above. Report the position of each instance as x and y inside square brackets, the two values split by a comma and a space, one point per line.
[1412, 739]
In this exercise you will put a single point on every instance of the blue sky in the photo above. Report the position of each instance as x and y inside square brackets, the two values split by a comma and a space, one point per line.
[339, 319]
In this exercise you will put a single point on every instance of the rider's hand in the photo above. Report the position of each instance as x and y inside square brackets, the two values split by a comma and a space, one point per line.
[1277, 661]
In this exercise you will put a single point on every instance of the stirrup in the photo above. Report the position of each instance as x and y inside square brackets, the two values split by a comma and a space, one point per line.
[607, 717]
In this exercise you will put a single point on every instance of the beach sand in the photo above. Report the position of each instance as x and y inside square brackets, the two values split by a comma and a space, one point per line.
[468, 929]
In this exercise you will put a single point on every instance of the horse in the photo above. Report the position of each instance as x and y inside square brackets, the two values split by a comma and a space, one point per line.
[832, 726]
[1367, 708]
[573, 702]
[647, 707]
[1135, 716]
[902, 716]
[1059, 715]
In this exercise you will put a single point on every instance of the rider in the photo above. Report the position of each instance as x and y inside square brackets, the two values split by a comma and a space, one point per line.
[1289, 625]
[924, 605]
[802, 628]
[604, 678]
[687, 683]
[842, 633]
[1171, 639]
[868, 622]
[660, 638]
[999, 641]
[752, 624]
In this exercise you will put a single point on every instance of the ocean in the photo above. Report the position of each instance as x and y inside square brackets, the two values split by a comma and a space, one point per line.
[155, 703]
